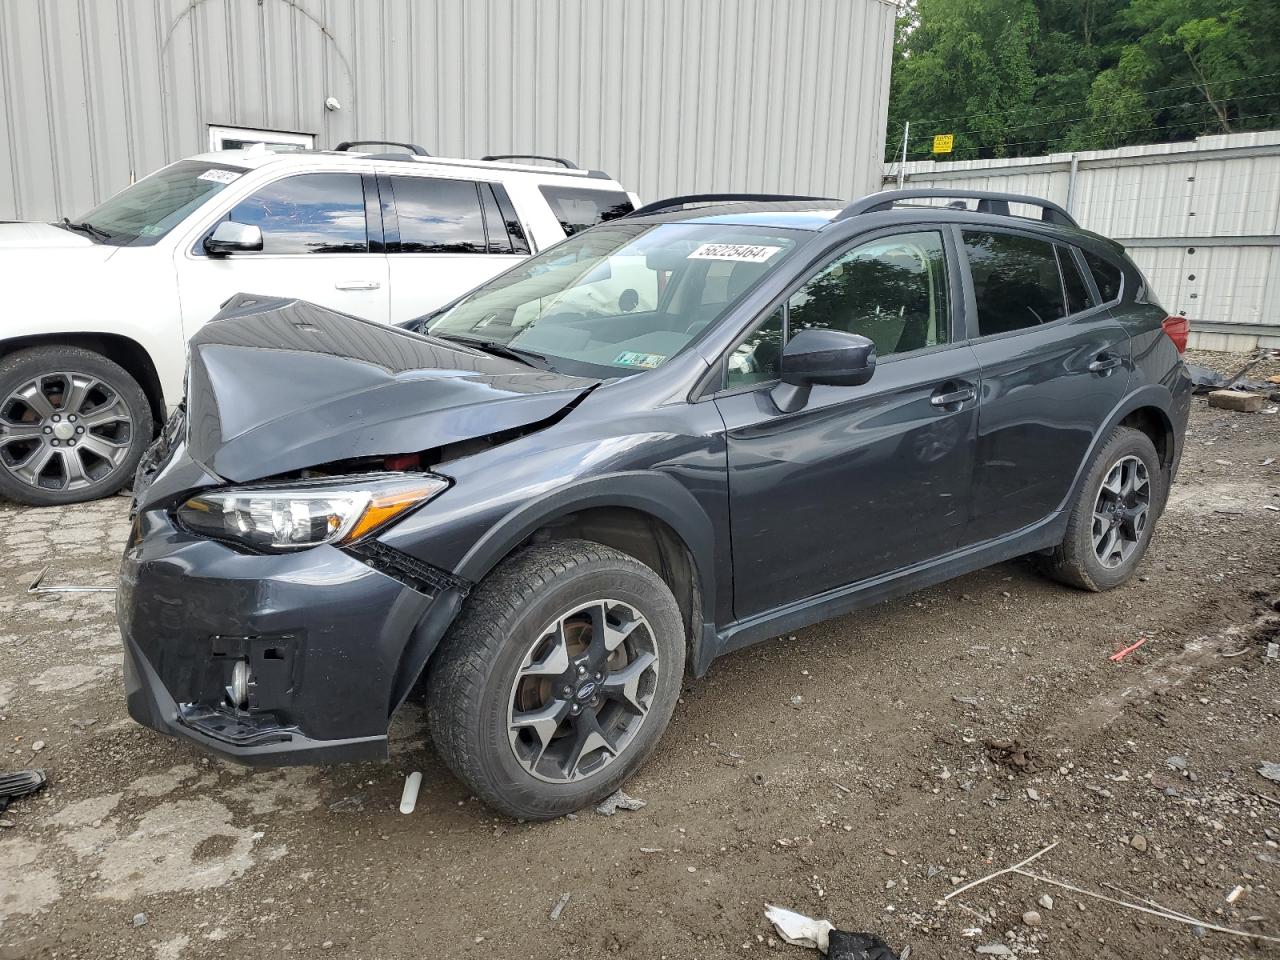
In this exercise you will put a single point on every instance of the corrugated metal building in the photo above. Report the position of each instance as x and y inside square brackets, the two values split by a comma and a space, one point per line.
[1201, 219]
[670, 96]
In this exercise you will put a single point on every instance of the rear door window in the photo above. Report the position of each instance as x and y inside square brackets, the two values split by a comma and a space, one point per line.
[1078, 296]
[578, 209]
[1106, 275]
[309, 213]
[439, 216]
[1016, 282]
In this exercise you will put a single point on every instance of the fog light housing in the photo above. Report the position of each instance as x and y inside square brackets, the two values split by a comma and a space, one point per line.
[238, 691]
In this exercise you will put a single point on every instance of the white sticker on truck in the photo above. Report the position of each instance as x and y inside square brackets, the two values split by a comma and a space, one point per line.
[744, 252]
[220, 176]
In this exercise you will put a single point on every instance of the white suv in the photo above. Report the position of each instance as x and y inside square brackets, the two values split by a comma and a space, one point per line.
[93, 337]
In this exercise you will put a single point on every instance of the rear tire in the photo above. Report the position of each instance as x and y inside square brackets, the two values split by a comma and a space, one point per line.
[73, 426]
[1112, 520]
[561, 642]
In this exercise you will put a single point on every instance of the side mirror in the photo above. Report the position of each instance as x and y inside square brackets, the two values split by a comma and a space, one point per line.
[828, 357]
[231, 237]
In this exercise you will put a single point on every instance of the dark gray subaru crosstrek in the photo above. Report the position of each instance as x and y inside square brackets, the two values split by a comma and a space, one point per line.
[712, 421]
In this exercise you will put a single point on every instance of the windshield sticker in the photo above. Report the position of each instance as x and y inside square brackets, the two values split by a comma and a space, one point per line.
[646, 360]
[744, 252]
[220, 176]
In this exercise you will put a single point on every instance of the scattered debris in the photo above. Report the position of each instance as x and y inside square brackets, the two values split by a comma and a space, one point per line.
[618, 801]
[967, 701]
[1205, 380]
[1153, 909]
[1271, 771]
[36, 586]
[409, 798]
[797, 929]
[21, 784]
[1139, 843]
[801, 931]
[559, 907]
[1237, 400]
[843, 945]
[1236, 893]
[1273, 651]
[1011, 754]
[353, 802]
[1177, 763]
[994, 950]
[139, 919]
[1045, 901]
[1031, 918]
[1120, 655]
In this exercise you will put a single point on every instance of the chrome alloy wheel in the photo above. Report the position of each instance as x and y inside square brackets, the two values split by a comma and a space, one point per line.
[1121, 511]
[64, 431]
[583, 691]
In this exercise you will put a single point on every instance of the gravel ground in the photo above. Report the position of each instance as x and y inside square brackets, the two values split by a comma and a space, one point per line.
[859, 771]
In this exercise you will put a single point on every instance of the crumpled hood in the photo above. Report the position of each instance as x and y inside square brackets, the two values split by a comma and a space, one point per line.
[45, 236]
[279, 385]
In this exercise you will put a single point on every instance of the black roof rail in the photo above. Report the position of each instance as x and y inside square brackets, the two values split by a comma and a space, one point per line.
[567, 164]
[989, 201]
[411, 147]
[675, 203]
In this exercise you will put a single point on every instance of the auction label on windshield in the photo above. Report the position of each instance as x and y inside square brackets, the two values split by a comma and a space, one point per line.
[744, 252]
[220, 176]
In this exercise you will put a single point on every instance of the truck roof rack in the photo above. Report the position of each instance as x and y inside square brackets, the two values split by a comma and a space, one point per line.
[675, 203]
[989, 201]
[567, 164]
[413, 148]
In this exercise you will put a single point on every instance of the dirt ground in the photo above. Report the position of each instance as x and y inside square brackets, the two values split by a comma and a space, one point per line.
[844, 772]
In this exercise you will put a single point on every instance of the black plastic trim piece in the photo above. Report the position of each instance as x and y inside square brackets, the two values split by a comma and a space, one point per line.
[410, 571]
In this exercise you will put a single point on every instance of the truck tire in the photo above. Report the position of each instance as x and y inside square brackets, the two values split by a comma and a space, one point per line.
[73, 426]
[557, 679]
[1113, 517]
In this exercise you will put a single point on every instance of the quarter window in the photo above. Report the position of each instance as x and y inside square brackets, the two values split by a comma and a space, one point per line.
[577, 209]
[439, 216]
[309, 213]
[1106, 275]
[892, 290]
[1078, 296]
[1015, 281]
[757, 359]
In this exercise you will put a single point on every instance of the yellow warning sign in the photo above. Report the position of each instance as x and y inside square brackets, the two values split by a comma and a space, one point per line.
[942, 143]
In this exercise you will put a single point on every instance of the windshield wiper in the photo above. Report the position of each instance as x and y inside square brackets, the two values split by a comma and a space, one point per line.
[86, 227]
[498, 349]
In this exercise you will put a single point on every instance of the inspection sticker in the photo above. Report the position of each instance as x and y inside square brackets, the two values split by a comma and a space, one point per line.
[220, 176]
[745, 252]
[646, 360]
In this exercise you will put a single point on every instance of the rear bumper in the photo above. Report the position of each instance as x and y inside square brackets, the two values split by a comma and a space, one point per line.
[332, 645]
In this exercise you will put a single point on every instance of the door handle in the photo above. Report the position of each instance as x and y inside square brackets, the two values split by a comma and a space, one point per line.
[357, 285]
[952, 397]
[1105, 362]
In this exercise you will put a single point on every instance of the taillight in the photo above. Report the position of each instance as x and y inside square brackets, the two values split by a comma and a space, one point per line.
[1178, 328]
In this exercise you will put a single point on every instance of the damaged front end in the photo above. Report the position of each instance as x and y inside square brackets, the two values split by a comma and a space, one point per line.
[261, 615]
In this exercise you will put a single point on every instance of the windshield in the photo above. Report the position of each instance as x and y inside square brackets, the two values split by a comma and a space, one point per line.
[146, 211]
[621, 298]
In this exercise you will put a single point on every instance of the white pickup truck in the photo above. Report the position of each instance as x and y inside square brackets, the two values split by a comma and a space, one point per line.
[93, 338]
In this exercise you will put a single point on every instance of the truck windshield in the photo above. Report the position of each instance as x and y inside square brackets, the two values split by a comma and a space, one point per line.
[621, 298]
[145, 212]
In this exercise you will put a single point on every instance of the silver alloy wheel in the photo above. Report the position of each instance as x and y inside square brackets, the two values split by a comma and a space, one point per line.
[1121, 511]
[583, 691]
[64, 431]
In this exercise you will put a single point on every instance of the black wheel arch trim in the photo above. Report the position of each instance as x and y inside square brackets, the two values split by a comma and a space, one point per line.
[652, 493]
[1149, 396]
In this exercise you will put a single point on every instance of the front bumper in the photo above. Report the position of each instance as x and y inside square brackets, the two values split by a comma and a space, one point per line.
[333, 645]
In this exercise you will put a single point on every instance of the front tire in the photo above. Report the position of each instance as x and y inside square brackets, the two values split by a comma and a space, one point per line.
[1111, 523]
[73, 426]
[557, 679]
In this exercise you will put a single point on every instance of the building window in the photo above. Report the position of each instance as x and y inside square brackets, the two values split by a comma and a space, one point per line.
[238, 138]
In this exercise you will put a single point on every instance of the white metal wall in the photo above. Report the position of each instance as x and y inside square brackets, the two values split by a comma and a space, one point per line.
[1201, 219]
[670, 96]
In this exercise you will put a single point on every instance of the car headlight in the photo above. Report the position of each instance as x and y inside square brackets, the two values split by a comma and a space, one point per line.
[308, 513]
